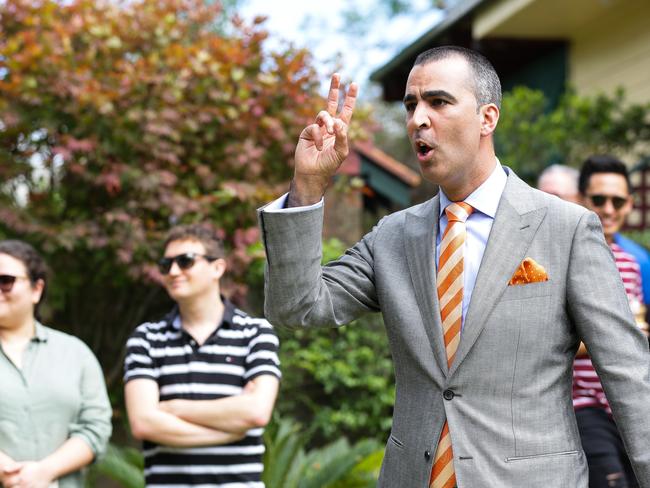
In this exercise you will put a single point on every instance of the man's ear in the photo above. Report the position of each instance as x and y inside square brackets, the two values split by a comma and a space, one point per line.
[489, 119]
[220, 267]
[37, 291]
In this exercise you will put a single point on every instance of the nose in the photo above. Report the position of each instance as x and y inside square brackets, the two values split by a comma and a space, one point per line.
[175, 270]
[420, 116]
[609, 207]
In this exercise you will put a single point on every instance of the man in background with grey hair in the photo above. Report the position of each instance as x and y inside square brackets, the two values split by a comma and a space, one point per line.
[561, 181]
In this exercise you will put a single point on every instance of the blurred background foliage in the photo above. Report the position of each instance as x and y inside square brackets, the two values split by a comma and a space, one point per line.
[120, 119]
[288, 461]
[336, 381]
[531, 134]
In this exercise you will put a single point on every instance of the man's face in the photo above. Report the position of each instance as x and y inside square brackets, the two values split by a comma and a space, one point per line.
[200, 278]
[604, 193]
[444, 123]
[561, 185]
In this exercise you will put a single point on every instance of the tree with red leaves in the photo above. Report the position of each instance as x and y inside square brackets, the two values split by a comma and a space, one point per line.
[120, 119]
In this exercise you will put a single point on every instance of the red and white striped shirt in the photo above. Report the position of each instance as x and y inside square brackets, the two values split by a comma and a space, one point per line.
[587, 390]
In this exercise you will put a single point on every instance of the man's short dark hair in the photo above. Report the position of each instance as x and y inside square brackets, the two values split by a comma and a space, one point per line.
[487, 87]
[602, 163]
[199, 233]
[33, 262]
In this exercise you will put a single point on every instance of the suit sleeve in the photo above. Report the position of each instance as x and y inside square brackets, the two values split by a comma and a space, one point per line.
[619, 351]
[301, 293]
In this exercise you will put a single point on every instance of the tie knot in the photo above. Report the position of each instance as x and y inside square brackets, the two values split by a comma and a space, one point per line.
[458, 211]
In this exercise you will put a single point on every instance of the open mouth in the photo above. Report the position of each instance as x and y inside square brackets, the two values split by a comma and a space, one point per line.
[422, 148]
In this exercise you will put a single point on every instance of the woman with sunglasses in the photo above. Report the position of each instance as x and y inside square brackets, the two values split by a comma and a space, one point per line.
[54, 410]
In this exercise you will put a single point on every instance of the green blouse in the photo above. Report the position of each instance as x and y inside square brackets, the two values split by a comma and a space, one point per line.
[59, 393]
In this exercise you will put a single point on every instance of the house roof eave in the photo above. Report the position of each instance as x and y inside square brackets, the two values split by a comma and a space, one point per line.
[410, 51]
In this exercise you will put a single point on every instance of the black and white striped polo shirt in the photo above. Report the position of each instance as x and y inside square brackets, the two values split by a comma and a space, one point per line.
[240, 349]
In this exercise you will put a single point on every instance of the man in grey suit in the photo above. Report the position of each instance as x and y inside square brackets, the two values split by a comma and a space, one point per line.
[516, 278]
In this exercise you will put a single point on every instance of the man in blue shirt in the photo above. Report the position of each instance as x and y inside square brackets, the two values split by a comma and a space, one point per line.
[642, 257]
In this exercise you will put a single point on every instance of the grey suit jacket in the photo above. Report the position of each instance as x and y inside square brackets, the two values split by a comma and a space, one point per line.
[507, 396]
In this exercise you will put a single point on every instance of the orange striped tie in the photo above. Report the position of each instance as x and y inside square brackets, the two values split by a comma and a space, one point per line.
[450, 297]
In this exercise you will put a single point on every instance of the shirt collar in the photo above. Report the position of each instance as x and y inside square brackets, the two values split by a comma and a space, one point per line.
[173, 319]
[486, 197]
[40, 332]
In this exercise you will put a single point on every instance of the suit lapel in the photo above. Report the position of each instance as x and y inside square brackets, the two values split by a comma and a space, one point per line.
[512, 232]
[421, 228]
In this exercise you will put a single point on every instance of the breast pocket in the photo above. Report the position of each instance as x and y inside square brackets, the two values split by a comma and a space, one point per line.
[530, 290]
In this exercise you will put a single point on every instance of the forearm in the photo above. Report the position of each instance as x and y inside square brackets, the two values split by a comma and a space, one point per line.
[167, 429]
[238, 413]
[71, 456]
[235, 414]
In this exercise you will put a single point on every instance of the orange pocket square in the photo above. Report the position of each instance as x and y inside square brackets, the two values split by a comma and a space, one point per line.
[529, 271]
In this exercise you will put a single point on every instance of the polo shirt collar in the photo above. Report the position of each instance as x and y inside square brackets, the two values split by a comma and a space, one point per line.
[41, 333]
[173, 319]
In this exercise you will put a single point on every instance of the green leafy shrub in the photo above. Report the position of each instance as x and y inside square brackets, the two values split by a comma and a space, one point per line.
[123, 465]
[288, 463]
[530, 136]
[338, 381]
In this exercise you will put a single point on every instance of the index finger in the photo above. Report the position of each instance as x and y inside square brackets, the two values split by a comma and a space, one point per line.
[333, 94]
[348, 105]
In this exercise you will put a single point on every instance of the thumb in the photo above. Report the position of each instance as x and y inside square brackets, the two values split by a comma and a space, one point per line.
[12, 468]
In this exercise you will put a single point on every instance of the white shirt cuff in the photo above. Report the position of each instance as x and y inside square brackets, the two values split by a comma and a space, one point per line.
[277, 206]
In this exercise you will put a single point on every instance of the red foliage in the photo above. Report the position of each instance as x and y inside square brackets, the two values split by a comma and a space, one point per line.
[142, 115]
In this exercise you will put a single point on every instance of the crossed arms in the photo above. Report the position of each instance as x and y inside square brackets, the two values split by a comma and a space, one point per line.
[193, 423]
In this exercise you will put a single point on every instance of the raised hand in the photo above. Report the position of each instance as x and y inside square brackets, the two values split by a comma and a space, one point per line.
[322, 147]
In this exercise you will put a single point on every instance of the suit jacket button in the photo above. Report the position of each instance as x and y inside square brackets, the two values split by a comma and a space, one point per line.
[448, 394]
[427, 455]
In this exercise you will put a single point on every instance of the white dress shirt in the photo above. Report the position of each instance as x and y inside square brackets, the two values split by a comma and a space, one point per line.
[484, 200]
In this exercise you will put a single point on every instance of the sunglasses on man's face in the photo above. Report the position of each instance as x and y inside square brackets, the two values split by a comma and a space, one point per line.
[184, 261]
[601, 200]
[7, 282]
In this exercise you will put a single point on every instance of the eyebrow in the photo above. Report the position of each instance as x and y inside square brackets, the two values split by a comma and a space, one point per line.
[431, 94]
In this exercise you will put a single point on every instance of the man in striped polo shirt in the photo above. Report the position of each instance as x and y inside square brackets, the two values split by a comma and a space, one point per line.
[200, 384]
[605, 188]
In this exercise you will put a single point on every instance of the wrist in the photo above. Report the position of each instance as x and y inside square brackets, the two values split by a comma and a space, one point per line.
[48, 470]
[305, 191]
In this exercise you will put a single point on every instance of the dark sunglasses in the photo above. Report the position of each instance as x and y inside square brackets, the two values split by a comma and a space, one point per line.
[7, 282]
[601, 200]
[184, 261]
